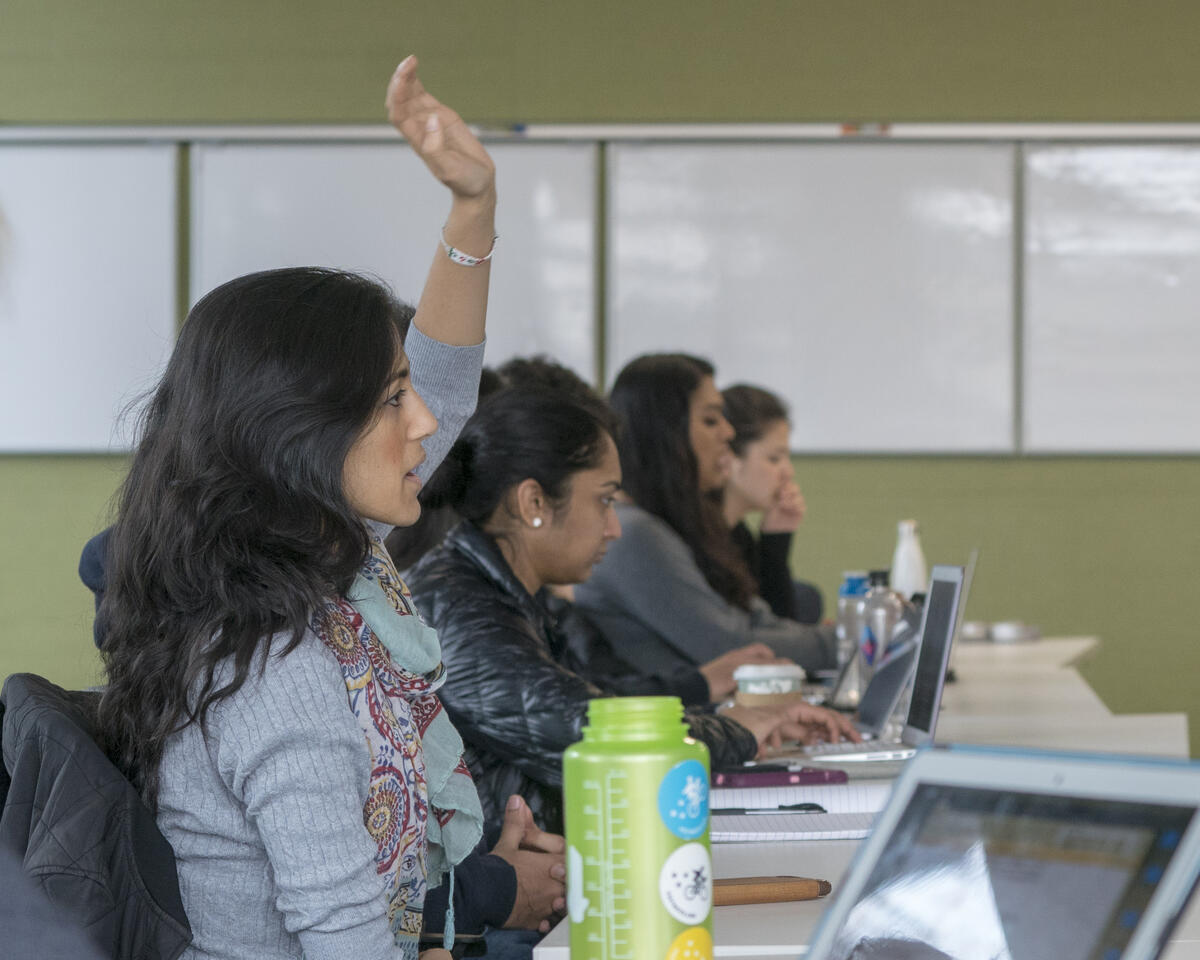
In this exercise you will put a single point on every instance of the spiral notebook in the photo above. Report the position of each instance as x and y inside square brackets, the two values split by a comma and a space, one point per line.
[847, 812]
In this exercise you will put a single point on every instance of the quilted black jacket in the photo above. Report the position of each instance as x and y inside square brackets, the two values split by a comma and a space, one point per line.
[76, 836]
[517, 686]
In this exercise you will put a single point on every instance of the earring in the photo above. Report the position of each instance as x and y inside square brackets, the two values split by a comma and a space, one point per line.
[536, 522]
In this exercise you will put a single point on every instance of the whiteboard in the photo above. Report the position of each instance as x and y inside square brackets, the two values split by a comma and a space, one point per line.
[870, 284]
[87, 290]
[1112, 299]
[373, 207]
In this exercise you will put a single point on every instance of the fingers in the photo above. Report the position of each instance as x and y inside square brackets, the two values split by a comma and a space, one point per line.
[755, 653]
[410, 105]
[434, 138]
[537, 839]
[515, 824]
[402, 90]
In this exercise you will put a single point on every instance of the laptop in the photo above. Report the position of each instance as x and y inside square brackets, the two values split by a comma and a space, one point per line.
[996, 854]
[939, 621]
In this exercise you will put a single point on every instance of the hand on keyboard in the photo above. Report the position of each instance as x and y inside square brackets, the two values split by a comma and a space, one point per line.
[797, 722]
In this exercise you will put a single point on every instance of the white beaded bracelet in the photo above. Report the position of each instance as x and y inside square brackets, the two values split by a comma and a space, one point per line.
[464, 259]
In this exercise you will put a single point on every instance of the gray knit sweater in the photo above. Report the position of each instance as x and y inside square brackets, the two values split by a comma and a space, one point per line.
[651, 601]
[265, 816]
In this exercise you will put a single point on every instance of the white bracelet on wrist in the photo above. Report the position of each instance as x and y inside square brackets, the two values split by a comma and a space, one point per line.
[464, 259]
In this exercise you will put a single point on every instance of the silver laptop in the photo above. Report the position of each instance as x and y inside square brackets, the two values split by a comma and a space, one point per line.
[993, 854]
[939, 620]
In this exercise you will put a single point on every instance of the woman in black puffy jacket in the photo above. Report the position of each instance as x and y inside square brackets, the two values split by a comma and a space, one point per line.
[535, 474]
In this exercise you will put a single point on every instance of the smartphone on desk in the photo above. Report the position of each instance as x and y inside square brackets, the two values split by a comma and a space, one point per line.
[777, 775]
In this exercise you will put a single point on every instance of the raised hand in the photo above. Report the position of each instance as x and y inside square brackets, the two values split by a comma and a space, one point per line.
[439, 136]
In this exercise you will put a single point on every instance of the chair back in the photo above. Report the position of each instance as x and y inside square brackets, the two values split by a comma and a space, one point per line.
[79, 831]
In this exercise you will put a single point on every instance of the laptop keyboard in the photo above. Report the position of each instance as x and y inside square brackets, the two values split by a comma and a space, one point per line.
[867, 746]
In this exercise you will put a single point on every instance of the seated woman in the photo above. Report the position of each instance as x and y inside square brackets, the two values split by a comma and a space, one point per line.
[534, 475]
[271, 690]
[674, 589]
[763, 480]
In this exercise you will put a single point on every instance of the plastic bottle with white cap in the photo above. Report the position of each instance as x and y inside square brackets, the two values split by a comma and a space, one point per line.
[909, 573]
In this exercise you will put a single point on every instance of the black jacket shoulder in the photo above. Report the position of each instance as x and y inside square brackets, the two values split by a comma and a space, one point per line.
[516, 686]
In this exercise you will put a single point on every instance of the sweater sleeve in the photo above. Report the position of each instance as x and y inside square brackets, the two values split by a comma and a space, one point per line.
[686, 683]
[447, 378]
[289, 749]
[650, 574]
[485, 890]
[774, 574]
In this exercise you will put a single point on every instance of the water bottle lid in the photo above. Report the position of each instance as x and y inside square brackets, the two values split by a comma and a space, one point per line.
[769, 671]
[880, 578]
[907, 526]
[854, 582]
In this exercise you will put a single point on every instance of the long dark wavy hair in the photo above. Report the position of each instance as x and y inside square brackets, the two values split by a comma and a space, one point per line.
[232, 524]
[652, 401]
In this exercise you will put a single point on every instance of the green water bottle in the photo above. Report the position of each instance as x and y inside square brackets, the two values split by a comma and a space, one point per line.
[639, 870]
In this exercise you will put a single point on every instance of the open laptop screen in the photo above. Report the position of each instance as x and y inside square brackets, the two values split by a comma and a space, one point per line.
[977, 874]
[940, 607]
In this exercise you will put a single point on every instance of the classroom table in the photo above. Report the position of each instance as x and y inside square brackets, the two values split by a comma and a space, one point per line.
[1027, 694]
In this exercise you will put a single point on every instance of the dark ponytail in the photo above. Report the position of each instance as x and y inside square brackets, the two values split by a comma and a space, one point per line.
[517, 434]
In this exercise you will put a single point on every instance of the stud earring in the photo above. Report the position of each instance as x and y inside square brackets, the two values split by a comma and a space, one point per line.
[536, 522]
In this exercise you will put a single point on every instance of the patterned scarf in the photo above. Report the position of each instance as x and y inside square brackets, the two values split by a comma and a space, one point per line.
[392, 664]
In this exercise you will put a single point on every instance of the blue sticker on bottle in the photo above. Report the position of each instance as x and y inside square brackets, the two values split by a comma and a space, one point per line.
[683, 799]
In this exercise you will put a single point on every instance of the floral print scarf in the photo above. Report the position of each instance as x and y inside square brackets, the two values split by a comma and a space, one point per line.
[422, 809]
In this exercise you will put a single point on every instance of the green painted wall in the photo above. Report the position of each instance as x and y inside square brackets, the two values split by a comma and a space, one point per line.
[49, 507]
[116, 61]
[1095, 545]
[1106, 547]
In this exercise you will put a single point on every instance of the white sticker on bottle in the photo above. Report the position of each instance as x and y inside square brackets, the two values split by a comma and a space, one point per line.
[685, 884]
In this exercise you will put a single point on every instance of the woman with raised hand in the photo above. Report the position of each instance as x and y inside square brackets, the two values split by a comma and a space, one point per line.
[674, 590]
[271, 689]
[535, 475]
[762, 480]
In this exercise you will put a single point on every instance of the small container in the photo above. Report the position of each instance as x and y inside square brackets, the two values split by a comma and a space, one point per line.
[766, 684]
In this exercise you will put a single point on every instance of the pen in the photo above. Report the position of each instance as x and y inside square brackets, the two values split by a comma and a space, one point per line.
[783, 808]
[735, 890]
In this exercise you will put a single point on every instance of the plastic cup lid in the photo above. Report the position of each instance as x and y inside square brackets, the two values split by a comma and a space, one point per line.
[769, 671]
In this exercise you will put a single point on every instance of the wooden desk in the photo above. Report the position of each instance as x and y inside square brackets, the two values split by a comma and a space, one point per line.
[1021, 695]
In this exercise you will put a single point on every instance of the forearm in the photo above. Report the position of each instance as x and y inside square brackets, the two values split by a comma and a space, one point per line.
[729, 743]
[813, 647]
[686, 683]
[453, 306]
[774, 574]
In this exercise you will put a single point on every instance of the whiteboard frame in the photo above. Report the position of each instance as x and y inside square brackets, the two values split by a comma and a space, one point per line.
[1018, 134]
